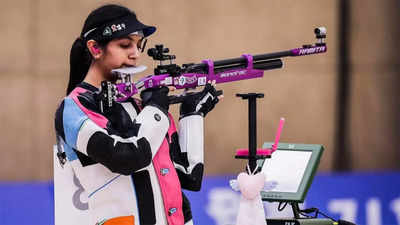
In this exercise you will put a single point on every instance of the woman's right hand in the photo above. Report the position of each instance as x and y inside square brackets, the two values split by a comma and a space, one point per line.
[157, 97]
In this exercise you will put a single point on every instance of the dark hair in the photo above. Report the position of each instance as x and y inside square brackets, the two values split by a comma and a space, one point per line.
[80, 57]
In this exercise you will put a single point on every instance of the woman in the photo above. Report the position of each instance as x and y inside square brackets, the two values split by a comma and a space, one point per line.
[131, 161]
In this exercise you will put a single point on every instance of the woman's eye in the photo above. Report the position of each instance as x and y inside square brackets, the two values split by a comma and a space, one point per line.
[125, 45]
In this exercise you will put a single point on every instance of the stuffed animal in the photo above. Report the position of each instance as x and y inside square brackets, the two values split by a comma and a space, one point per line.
[251, 210]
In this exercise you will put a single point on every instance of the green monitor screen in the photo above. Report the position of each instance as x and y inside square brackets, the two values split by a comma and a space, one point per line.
[290, 171]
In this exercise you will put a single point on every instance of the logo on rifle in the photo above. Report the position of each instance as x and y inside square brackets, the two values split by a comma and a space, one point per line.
[307, 51]
[191, 80]
[233, 74]
[202, 81]
[150, 83]
[167, 81]
[181, 80]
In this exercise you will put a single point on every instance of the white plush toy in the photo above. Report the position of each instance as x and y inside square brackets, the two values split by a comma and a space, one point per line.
[251, 211]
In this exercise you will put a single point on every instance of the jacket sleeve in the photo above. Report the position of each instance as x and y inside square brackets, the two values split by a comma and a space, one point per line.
[187, 149]
[120, 155]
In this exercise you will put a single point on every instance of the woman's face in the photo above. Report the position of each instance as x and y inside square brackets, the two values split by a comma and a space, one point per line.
[123, 52]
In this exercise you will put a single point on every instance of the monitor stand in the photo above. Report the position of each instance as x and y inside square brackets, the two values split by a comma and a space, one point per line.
[298, 220]
[296, 210]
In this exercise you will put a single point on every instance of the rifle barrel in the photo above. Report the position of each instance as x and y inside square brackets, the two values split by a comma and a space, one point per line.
[268, 64]
[262, 61]
[273, 55]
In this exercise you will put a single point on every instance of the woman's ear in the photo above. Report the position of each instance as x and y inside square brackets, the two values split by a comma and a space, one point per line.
[94, 49]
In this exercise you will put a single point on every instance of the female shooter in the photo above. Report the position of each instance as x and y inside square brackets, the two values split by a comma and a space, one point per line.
[130, 160]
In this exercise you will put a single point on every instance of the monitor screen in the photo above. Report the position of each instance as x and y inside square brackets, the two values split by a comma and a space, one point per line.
[290, 171]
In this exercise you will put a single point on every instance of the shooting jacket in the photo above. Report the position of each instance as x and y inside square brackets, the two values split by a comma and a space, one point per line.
[131, 161]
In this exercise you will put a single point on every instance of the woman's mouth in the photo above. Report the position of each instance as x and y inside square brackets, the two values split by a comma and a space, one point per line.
[127, 65]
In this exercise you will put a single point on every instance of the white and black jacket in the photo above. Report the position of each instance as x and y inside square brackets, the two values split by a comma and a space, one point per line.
[132, 161]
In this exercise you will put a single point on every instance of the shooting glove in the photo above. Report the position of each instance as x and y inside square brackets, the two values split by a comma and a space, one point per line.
[156, 97]
[199, 103]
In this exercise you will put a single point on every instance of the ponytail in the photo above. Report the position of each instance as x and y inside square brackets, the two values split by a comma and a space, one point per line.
[79, 64]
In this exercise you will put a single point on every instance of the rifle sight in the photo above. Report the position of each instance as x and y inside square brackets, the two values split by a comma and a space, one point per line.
[158, 53]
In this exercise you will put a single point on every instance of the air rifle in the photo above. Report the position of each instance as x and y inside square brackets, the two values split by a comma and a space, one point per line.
[189, 76]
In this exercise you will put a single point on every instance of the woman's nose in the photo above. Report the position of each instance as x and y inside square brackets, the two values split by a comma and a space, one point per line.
[135, 53]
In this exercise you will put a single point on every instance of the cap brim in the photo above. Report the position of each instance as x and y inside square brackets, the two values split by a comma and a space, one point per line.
[147, 30]
[121, 28]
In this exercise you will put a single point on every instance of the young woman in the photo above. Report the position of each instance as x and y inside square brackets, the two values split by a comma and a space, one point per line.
[131, 161]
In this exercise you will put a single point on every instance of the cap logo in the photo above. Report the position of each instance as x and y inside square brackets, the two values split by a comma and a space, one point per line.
[118, 27]
[107, 31]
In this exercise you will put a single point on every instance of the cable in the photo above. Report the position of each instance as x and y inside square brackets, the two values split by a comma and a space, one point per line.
[305, 215]
[317, 212]
[326, 216]
[304, 212]
[279, 206]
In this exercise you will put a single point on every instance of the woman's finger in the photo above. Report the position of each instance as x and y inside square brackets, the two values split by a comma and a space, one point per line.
[171, 88]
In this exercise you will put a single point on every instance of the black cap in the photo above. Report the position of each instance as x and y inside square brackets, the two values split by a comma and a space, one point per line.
[117, 28]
